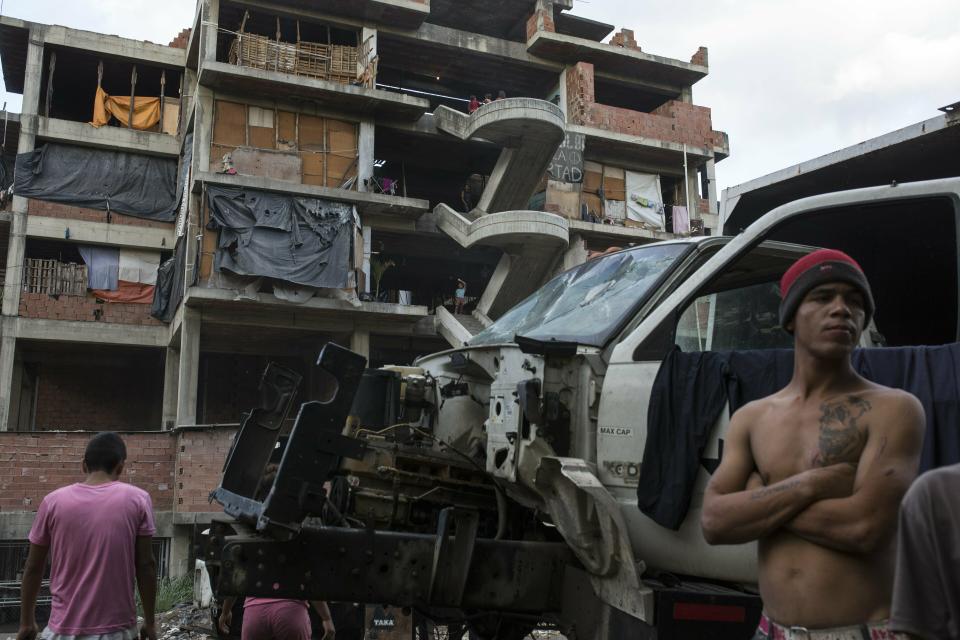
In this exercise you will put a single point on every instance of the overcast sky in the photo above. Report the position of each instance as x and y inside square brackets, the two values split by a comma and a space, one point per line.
[788, 80]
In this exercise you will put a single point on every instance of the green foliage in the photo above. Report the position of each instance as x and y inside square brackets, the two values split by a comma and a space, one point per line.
[170, 592]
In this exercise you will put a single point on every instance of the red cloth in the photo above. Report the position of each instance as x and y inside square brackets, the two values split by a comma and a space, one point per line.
[92, 532]
[128, 292]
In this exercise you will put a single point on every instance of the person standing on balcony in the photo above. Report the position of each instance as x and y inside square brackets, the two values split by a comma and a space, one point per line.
[474, 104]
[97, 534]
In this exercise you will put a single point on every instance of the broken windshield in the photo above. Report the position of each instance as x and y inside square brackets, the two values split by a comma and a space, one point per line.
[587, 303]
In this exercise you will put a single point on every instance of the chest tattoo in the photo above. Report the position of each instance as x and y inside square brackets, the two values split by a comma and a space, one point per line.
[842, 430]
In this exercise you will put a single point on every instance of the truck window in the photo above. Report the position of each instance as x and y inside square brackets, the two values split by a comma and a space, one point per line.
[741, 318]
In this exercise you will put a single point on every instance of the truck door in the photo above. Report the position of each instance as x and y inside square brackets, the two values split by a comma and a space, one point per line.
[904, 236]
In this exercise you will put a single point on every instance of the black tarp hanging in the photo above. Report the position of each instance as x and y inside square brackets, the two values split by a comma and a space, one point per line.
[305, 241]
[114, 181]
[170, 285]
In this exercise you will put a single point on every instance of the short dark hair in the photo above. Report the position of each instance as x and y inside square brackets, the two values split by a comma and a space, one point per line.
[105, 452]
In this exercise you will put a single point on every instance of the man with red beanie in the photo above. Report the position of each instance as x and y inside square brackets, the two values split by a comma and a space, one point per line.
[816, 471]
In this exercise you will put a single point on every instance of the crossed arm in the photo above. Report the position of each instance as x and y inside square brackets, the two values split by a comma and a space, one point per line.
[851, 508]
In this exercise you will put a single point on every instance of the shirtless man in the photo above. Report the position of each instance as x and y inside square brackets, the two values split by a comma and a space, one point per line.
[816, 471]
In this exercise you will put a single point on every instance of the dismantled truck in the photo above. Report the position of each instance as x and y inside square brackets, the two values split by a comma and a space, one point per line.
[539, 473]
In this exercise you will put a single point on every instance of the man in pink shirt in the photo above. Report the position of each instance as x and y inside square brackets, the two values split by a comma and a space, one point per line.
[97, 534]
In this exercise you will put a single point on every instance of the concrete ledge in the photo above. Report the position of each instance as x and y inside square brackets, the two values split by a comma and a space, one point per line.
[131, 335]
[114, 138]
[375, 203]
[660, 72]
[528, 228]
[358, 101]
[87, 232]
[640, 153]
[616, 232]
[219, 306]
[135, 50]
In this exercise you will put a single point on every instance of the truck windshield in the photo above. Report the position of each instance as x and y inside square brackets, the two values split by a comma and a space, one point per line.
[587, 303]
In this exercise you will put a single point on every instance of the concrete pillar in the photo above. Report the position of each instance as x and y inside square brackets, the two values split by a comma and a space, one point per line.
[202, 129]
[686, 94]
[563, 94]
[17, 244]
[180, 543]
[576, 253]
[8, 350]
[498, 174]
[367, 250]
[171, 378]
[710, 171]
[210, 18]
[693, 189]
[365, 155]
[496, 282]
[189, 367]
[360, 342]
[16, 247]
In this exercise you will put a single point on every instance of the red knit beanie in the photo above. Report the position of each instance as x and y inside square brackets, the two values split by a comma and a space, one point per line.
[814, 269]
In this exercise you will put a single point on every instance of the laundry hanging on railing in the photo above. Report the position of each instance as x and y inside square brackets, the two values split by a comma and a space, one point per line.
[304, 241]
[121, 275]
[146, 111]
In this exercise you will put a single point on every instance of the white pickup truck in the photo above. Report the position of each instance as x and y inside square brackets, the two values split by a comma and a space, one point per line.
[538, 425]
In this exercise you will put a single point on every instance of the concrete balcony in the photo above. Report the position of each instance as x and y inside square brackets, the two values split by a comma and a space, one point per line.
[367, 203]
[656, 137]
[112, 138]
[402, 14]
[357, 100]
[626, 62]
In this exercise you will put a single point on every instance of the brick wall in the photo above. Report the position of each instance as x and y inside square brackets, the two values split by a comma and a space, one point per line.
[33, 465]
[540, 20]
[200, 455]
[624, 39]
[674, 121]
[182, 39]
[125, 393]
[84, 309]
[700, 57]
[58, 210]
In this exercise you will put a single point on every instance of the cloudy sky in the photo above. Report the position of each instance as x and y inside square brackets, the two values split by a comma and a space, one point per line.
[788, 80]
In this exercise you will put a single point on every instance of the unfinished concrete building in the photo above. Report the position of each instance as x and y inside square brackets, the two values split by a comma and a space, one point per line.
[287, 173]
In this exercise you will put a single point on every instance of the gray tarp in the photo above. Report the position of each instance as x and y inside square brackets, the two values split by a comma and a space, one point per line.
[169, 290]
[115, 181]
[305, 241]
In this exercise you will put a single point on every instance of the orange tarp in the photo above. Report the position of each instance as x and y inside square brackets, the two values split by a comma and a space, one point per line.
[146, 111]
[127, 292]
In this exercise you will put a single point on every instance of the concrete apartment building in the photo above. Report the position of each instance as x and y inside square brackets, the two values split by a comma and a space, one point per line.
[286, 173]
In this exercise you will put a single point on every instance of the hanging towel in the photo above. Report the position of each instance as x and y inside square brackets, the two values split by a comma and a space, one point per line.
[103, 266]
[681, 220]
[139, 266]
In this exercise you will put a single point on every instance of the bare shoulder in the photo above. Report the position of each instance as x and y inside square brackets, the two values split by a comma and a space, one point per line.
[752, 412]
[892, 404]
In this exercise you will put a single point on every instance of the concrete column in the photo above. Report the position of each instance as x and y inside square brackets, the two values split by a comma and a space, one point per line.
[496, 283]
[563, 94]
[189, 367]
[171, 377]
[8, 350]
[360, 342]
[16, 248]
[367, 249]
[365, 156]
[180, 543]
[693, 189]
[202, 129]
[710, 170]
[208, 44]
[686, 94]
[576, 253]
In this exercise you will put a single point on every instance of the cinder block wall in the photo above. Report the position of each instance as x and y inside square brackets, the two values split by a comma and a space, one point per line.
[200, 455]
[36, 464]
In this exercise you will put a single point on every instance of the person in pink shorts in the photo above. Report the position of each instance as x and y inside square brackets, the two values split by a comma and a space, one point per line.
[97, 534]
[276, 619]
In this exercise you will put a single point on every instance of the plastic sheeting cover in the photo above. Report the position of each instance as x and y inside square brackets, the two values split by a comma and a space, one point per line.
[116, 181]
[170, 285]
[304, 241]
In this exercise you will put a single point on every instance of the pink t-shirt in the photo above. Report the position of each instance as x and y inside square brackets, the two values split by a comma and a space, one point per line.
[92, 532]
